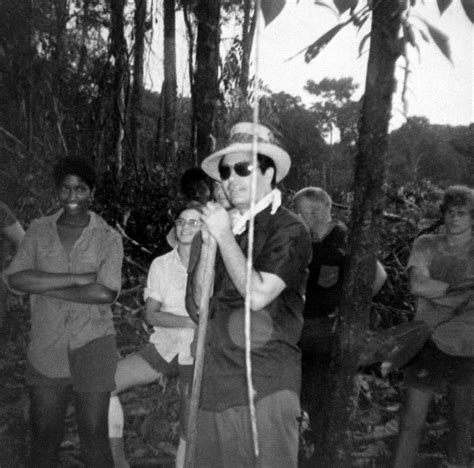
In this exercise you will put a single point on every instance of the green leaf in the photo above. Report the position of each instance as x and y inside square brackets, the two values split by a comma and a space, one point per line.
[440, 39]
[443, 5]
[344, 5]
[316, 47]
[271, 9]
[468, 6]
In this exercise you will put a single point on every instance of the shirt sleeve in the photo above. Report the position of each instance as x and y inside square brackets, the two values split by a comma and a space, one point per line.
[110, 269]
[420, 254]
[6, 216]
[287, 253]
[154, 281]
[25, 257]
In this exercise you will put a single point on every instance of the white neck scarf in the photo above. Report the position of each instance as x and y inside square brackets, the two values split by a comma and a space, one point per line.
[239, 222]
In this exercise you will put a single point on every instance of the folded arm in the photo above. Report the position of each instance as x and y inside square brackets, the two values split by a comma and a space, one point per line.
[72, 287]
[158, 318]
[264, 287]
[422, 285]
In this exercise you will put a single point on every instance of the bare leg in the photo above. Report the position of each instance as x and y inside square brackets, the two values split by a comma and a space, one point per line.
[416, 409]
[131, 371]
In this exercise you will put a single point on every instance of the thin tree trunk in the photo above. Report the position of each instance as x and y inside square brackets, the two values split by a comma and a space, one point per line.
[205, 90]
[189, 29]
[248, 33]
[118, 51]
[167, 121]
[365, 229]
[84, 37]
[137, 90]
[28, 52]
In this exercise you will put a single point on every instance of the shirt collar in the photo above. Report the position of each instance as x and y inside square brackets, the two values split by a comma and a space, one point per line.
[239, 222]
[92, 219]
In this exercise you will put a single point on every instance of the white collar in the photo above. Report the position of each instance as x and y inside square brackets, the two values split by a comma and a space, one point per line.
[239, 222]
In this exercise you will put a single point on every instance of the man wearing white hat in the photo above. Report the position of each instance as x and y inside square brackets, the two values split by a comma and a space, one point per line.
[281, 253]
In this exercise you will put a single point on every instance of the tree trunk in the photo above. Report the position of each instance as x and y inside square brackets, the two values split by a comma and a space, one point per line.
[137, 90]
[118, 51]
[365, 229]
[190, 33]
[27, 51]
[205, 89]
[84, 37]
[167, 121]
[248, 33]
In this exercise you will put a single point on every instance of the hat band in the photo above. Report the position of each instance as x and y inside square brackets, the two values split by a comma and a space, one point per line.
[249, 138]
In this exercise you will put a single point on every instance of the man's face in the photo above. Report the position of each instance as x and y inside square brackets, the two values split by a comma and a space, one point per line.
[458, 219]
[314, 213]
[75, 195]
[238, 187]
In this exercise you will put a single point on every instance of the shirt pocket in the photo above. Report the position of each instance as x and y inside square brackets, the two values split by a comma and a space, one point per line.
[85, 263]
[49, 258]
[328, 276]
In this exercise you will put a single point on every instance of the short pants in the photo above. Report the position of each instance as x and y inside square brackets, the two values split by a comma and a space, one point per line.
[432, 369]
[92, 368]
[173, 369]
[170, 369]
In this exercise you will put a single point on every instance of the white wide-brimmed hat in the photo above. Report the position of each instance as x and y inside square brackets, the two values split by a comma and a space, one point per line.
[241, 141]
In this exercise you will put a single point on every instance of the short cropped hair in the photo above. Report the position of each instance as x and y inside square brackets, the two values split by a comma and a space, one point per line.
[265, 163]
[196, 185]
[457, 195]
[314, 194]
[78, 166]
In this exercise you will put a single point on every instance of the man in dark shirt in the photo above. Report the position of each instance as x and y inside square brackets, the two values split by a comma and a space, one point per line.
[281, 252]
[323, 292]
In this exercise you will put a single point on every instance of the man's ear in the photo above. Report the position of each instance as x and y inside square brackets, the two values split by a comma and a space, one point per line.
[268, 174]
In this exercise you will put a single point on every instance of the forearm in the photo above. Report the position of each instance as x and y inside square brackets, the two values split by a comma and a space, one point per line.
[92, 293]
[168, 320]
[429, 289]
[465, 286]
[40, 282]
[235, 261]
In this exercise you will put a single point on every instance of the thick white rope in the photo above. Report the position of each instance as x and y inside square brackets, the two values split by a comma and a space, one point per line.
[253, 192]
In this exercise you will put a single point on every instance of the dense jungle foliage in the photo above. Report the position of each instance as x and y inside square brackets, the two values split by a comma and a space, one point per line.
[71, 83]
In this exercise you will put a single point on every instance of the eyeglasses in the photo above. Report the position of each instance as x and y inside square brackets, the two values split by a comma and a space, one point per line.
[242, 169]
[190, 222]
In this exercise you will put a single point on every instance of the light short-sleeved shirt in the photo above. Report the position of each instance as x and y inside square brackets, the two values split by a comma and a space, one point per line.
[166, 283]
[58, 326]
[450, 264]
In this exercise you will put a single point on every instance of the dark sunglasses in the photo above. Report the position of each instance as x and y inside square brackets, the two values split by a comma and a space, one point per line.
[242, 169]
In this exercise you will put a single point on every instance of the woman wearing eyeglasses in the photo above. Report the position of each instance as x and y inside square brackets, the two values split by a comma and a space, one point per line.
[169, 350]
